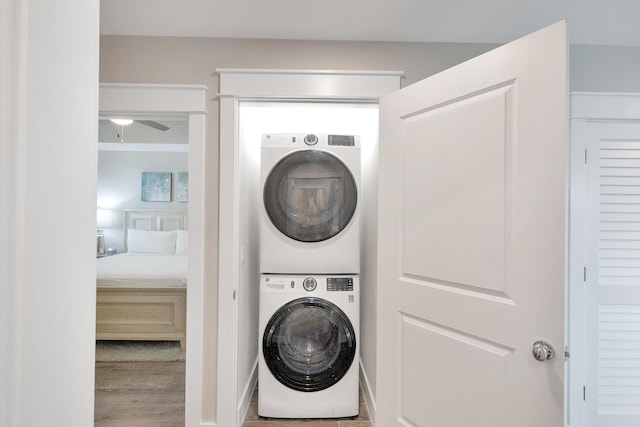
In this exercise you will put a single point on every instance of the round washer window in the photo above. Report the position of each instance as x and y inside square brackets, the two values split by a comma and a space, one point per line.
[310, 195]
[309, 344]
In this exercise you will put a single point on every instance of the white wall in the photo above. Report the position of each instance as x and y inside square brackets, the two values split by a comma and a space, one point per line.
[605, 68]
[119, 178]
[369, 268]
[248, 280]
[49, 74]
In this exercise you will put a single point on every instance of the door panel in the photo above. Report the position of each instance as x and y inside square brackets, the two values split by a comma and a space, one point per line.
[468, 187]
[472, 230]
[436, 360]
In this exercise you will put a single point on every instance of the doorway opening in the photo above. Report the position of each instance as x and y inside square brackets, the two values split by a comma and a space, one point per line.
[142, 199]
[145, 101]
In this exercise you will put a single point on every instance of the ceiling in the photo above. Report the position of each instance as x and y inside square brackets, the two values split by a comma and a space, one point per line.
[599, 22]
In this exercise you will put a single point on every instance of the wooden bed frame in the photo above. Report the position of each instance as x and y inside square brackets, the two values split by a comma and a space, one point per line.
[145, 313]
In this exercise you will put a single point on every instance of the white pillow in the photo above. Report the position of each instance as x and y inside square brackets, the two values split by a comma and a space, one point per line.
[151, 242]
[182, 242]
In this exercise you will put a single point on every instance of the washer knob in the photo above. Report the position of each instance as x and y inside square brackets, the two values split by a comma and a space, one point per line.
[311, 139]
[309, 284]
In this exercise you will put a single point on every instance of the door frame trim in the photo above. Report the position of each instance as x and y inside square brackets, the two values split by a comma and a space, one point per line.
[189, 100]
[237, 85]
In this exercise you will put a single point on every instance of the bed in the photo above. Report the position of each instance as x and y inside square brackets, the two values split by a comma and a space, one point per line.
[142, 293]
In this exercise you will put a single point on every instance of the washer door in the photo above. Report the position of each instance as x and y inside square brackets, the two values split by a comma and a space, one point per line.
[310, 195]
[309, 344]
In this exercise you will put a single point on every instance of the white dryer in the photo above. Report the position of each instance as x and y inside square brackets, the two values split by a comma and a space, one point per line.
[310, 215]
[308, 346]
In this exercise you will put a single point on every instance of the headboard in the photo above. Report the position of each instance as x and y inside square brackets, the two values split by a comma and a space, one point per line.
[146, 219]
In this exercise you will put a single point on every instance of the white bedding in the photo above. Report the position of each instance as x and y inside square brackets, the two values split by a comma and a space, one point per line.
[142, 271]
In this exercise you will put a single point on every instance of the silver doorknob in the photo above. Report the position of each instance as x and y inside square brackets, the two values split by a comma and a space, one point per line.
[543, 351]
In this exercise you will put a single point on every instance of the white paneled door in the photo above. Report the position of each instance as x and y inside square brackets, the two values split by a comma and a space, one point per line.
[472, 219]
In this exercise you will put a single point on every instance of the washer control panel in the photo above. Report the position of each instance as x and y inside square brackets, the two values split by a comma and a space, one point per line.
[339, 284]
[316, 284]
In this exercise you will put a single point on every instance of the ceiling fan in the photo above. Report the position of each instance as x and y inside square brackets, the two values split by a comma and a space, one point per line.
[122, 122]
[150, 123]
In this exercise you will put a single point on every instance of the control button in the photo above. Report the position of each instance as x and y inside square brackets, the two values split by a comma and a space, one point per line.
[309, 284]
[311, 139]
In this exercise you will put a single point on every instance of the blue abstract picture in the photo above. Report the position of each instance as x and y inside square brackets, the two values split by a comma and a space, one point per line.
[182, 187]
[156, 187]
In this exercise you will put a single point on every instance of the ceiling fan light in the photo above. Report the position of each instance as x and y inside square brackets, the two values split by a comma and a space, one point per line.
[122, 122]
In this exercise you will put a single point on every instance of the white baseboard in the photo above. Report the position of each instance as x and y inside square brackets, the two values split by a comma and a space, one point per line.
[247, 392]
[369, 397]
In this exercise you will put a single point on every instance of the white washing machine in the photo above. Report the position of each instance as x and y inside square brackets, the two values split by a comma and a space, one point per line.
[308, 346]
[309, 218]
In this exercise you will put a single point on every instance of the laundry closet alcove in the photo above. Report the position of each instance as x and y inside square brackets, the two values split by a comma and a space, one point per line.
[256, 101]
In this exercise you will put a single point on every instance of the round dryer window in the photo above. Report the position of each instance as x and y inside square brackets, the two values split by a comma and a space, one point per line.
[310, 195]
[309, 344]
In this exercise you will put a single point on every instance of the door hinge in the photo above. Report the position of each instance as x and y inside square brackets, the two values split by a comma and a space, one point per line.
[584, 392]
[585, 155]
[584, 274]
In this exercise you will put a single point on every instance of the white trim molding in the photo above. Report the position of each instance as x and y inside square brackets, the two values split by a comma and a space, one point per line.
[311, 84]
[13, 90]
[144, 147]
[368, 393]
[595, 106]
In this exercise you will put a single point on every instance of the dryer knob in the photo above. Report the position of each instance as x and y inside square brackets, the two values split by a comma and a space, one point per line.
[311, 139]
[309, 284]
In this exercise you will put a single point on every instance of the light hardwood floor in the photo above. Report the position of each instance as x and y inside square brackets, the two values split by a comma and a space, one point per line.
[145, 394]
[139, 394]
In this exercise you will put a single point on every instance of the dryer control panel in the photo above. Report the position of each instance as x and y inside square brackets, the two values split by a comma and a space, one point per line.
[343, 140]
[339, 284]
[310, 140]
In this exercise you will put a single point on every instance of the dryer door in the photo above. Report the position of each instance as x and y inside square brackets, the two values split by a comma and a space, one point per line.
[309, 344]
[310, 195]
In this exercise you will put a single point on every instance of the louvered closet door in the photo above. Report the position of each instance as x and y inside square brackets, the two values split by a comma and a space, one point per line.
[612, 392]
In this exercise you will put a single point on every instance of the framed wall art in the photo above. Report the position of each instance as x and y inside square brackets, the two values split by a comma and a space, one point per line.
[156, 187]
[182, 187]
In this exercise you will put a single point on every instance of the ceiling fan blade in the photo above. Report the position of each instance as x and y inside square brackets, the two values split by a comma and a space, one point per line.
[153, 124]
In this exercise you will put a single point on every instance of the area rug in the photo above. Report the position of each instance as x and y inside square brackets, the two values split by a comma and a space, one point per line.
[139, 351]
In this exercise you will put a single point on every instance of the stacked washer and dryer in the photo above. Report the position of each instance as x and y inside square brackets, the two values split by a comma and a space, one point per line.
[309, 284]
